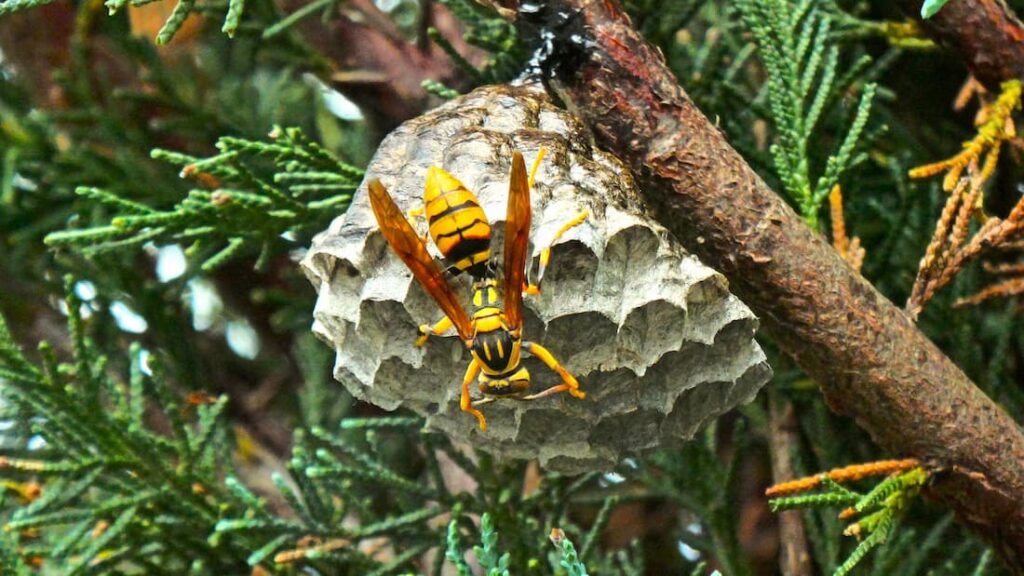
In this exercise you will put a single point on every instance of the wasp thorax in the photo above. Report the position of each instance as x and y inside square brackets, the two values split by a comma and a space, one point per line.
[654, 337]
[485, 294]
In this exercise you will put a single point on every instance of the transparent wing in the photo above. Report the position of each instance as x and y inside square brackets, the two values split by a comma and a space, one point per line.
[517, 236]
[404, 241]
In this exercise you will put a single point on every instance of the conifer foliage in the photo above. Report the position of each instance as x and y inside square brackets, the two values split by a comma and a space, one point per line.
[299, 187]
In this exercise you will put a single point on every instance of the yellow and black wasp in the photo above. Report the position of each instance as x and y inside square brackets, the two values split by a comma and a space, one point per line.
[462, 233]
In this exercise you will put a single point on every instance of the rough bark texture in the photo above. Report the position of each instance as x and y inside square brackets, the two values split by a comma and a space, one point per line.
[871, 361]
[986, 34]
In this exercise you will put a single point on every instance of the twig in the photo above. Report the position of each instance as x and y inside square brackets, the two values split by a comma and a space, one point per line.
[995, 126]
[845, 474]
[1006, 288]
[794, 559]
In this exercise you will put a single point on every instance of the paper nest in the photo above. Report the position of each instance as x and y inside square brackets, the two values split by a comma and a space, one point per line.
[655, 338]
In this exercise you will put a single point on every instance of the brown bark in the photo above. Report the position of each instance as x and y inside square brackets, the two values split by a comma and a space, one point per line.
[870, 359]
[986, 34]
[794, 559]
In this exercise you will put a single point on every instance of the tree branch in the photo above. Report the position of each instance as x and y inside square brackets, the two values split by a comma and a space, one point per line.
[871, 361]
[986, 34]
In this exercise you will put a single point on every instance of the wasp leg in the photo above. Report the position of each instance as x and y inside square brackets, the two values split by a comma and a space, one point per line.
[569, 382]
[536, 164]
[426, 330]
[412, 215]
[464, 401]
[545, 254]
[549, 392]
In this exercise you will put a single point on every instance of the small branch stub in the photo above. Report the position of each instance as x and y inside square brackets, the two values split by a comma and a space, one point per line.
[658, 343]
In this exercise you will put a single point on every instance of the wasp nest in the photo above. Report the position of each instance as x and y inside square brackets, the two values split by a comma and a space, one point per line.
[655, 338]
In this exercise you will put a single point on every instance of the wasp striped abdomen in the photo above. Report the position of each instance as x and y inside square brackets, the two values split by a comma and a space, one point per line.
[457, 223]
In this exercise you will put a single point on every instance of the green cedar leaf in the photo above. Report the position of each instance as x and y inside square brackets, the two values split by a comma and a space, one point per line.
[931, 7]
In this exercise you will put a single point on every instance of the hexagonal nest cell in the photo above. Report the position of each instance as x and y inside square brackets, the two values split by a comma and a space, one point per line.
[655, 338]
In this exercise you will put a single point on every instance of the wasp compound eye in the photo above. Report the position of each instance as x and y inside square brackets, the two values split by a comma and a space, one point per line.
[654, 340]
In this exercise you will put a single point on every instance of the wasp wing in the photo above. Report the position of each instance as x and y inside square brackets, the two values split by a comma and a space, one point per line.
[517, 236]
[407, 244]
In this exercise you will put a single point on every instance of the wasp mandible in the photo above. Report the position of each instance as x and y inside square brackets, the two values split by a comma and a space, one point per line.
[459, 228]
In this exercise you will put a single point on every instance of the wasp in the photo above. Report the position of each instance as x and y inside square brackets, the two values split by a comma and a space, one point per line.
[459, 228]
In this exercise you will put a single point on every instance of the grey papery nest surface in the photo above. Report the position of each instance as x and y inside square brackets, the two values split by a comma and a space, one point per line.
[655, 338]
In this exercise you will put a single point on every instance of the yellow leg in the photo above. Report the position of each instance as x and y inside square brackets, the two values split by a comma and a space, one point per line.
[412, 215]
[426, 330]
[465, 402]
[569, 382]
[536, 164]
[545, 254]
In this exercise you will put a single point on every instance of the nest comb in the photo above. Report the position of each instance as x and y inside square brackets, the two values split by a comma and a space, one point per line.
[655, 338]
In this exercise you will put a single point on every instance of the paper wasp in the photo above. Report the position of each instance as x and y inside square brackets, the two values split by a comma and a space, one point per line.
[459, 227]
